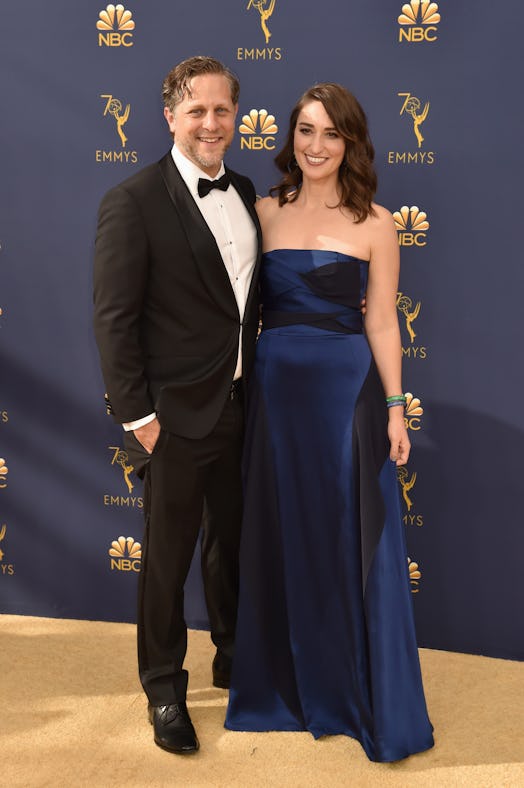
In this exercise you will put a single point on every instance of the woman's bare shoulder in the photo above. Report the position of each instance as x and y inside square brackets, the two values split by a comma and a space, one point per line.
[381, 215]
[381, 222]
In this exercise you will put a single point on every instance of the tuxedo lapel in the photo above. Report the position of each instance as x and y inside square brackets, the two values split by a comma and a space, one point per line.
[200, 238]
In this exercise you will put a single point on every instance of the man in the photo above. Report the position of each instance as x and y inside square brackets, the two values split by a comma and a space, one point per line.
[176, 315]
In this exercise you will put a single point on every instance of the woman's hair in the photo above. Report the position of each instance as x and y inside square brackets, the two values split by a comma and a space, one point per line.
[356, 176]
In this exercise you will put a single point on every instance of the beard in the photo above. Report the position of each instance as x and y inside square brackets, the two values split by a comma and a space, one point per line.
[201, 158]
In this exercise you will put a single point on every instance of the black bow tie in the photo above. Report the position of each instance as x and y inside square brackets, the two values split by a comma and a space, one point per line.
[205, 185]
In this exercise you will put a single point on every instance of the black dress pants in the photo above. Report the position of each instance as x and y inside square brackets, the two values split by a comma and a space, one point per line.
[189, 484]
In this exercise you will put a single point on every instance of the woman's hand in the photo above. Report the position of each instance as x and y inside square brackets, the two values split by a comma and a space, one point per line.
[398, 436]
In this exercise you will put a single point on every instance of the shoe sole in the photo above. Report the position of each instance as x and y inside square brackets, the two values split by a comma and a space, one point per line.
[177, 752]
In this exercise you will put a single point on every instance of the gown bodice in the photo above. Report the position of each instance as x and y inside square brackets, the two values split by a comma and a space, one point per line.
[313, 287]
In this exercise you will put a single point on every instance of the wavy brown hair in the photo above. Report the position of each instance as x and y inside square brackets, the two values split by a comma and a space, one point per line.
[357, 178]
[178, 82]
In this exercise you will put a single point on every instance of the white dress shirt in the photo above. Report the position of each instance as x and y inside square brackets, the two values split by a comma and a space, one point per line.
[230, 223]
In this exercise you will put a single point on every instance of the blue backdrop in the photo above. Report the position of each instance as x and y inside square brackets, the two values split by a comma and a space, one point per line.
[81, 105]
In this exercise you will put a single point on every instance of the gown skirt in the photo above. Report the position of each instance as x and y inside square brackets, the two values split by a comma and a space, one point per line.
[325, 635]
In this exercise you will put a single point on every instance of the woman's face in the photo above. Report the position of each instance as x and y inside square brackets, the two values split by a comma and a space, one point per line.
[319, 148]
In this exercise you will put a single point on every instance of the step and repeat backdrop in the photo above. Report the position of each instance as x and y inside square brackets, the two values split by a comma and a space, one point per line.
[81, 111]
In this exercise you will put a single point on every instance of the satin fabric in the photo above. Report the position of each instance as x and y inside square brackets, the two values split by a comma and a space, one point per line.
[325, 636]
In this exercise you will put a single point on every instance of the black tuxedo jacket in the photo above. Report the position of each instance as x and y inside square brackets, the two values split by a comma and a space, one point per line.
[166, 319]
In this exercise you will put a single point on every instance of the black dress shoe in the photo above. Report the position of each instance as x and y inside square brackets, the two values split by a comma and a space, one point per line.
[173, 728]
[221, 671]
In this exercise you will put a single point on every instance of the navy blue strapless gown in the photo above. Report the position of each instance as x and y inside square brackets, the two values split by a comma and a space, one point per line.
[325, 636]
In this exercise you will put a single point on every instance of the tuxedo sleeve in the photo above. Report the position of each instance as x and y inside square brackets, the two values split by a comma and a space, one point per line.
[120, 283]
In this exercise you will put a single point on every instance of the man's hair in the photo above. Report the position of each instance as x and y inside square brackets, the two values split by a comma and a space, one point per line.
[177, 84]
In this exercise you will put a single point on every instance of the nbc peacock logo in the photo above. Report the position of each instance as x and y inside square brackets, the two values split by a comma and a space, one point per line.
[258, 130]
[415, 575]
[418, 22]
[412, 225]
[114, 26]
[413, 412]
[125, 554]
[4, 470]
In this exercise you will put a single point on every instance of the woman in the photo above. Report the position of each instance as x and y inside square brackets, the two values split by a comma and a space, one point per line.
[325, 635]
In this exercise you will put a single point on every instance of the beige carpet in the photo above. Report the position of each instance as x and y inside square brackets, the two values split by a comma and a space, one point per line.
[73, 714]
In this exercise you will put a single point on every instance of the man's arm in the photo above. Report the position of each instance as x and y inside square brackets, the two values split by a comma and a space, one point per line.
[120, 280]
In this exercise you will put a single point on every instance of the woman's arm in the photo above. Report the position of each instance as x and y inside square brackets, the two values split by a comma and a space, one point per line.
[381, 323]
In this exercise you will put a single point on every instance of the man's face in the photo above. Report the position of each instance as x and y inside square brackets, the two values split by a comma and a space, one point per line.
[203, 124]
